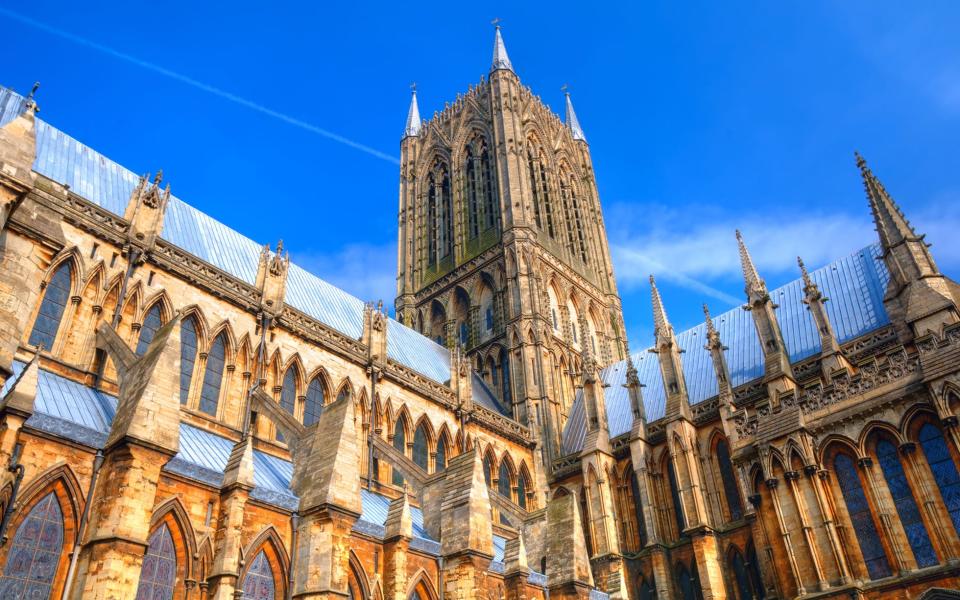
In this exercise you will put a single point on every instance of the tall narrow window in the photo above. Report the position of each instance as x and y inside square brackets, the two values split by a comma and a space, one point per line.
[151, 323]
[729, 480]
[753, 569]
[258, 583]
[547, 208]
[314, 403]
[578, 223]
[505, 380]
[473, 201]
[567, 213]
[213, 376]
[421, 453]
[906, 505]
[55, 298]
[288, 391]
[522, 491]
[490, 195]
[532, 169]
[740, 576]
[675, 497]
[188, 356]
[432, 231]
[159, 572]
[487, 476]
[400, 443]
[943, 468]
[503, 481]
[866, 531]
[685, 583]
[440, 461]
[647, 591]
[33, 558]
[641, 524]
[464, 333]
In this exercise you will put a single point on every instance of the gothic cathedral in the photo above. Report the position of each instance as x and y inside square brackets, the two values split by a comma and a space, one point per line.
[186, 413]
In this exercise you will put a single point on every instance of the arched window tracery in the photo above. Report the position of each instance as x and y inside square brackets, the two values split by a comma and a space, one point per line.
[858, 508]
[906, 505]
[675, 498]
[440, 460]
[151, 323]
[504, 481]
[944, 469]
[258, 583]
[400, 443]
[421, 450]
[213, 376]
[34, 556]
[56, 294]
[730, 490]
[188, 356]
[473, 193]
[741, 578]
[313, 405]
[159, 571]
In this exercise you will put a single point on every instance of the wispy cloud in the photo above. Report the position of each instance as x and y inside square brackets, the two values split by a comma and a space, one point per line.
[205, 87]
[367, 271]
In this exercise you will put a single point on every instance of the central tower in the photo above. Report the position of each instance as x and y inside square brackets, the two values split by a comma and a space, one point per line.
[502, 248]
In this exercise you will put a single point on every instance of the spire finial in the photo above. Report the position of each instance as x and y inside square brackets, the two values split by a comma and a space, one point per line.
[571, 121]
[706, 314]
[803, 273]
[892, 226]
[500, 58]
[412, 128]
[661, 325]
[750, 276]
[30, 102]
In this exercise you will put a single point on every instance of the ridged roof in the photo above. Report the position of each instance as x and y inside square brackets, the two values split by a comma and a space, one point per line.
[109, 185]
[855, 286]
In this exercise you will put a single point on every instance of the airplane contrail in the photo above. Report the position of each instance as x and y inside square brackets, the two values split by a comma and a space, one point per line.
[197, 84]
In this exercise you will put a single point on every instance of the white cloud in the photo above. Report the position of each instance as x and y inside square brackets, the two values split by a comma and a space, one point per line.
[368, 271]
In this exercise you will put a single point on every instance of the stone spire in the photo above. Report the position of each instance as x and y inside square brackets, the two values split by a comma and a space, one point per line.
[572, 122]
[892, 226]
[776, 358]
[413, 116]
[716, 349]
[500, 58]
[671, 367]
[831, 356]
[918, 295]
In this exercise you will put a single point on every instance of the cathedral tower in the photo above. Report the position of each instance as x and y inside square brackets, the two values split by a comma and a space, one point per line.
[502, 247]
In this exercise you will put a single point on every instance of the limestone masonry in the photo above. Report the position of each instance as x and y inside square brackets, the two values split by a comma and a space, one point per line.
[187, 414]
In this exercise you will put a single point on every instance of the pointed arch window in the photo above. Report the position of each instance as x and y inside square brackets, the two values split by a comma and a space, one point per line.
[151, 323]
[578, 224]
[675, 497]
[944, 469]
[638, 509]
[685, 583]
[753, 569]
[35, 554]
[258, 583]
[532, 170]
[547, 209]
[432, 220]
[400, 443]
[473, 193]
[863, 526]
[487, 476]
[490, 196]
[740, 576]
[188, 356]
[729, 480]
[446, 208]
[505, 379]
[288, 391]
[421, 453]
[213, 376]
[440, 460]
[159, 572]
[313, 405]
[522, 490]
[646, 590]
[55, 297]
[903, 499]
[503, 481]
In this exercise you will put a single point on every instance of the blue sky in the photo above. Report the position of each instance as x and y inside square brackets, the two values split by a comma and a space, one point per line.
[701, 119]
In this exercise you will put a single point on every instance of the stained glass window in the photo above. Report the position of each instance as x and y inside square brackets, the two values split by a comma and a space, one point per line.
[863, 525]
[440, 461]
[503, 480]
[490, 190]
[675, 495]
[753, 569]
[313, 405]
[944, 469]
[685, 584]
[288, 395]
[55, 298]
[37, 545]
[159, 571]
[151, 323]
[400, 443]
[729, 481]
[741, 577]
[258, 583]
[641, 524]
[213, 377]
[486, 469]
[488, 318]
[421, 454]
[464, 334]
[188, 356]
[522, 491]
[906, 505]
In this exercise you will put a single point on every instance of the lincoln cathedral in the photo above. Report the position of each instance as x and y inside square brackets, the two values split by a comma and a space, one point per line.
[187, 414]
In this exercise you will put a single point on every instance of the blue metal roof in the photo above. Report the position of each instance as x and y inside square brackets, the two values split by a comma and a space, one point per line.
[855, 286]
[109, 185]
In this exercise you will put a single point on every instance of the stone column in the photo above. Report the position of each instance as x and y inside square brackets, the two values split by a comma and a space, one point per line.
[792, 477]
[886, 524]
[791, 556]
[706, 552]
[829, 523]
[223, 580]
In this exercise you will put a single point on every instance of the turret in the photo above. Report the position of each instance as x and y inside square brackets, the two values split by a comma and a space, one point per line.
[831, 356]
[776, 360]
[918, 294]
[668, 352]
